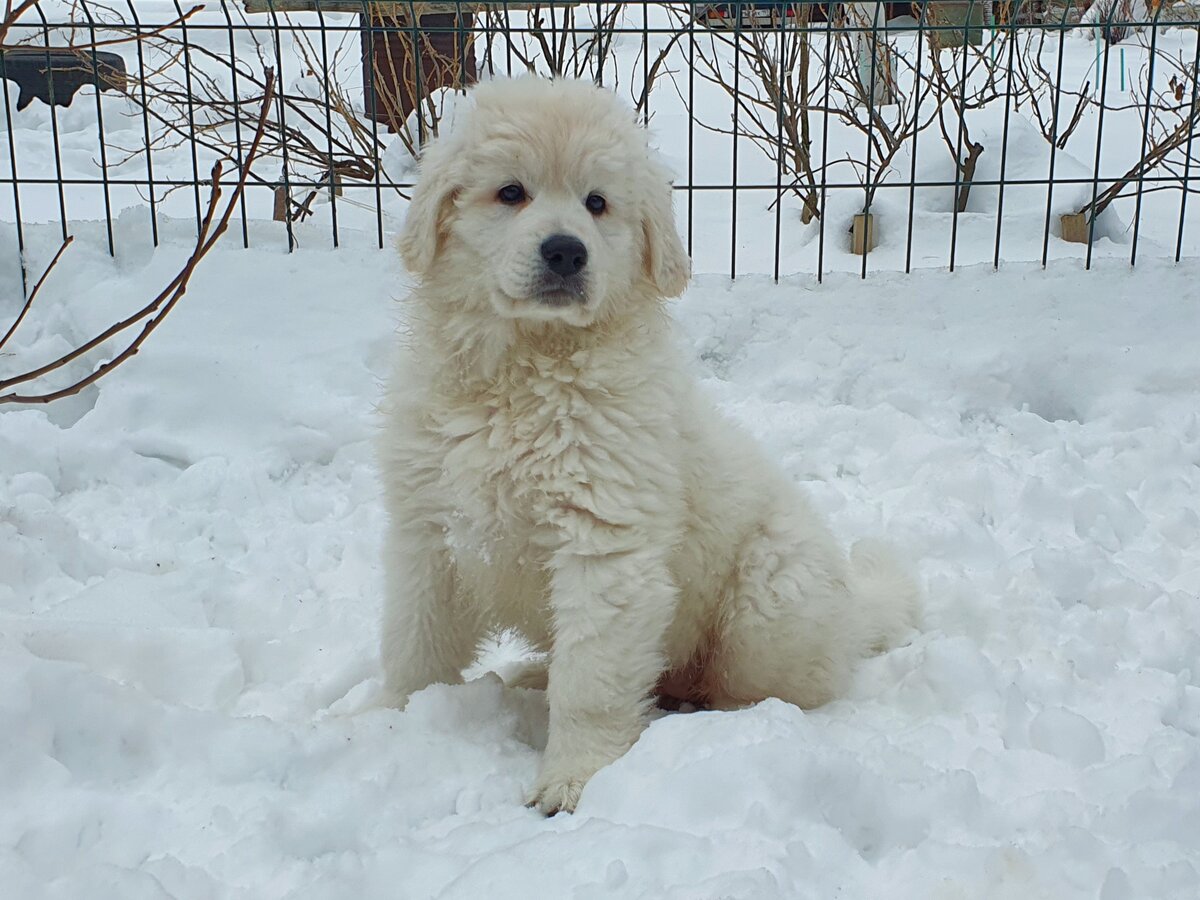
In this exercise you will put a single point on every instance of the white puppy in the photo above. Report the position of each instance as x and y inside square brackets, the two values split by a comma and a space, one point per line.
[551, 468]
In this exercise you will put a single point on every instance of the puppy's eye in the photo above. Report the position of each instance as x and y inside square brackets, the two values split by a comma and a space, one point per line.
[511, 194]
[595, 204]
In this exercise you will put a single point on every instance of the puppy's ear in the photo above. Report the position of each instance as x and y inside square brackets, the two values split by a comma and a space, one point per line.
[439, 179]
[667, 263]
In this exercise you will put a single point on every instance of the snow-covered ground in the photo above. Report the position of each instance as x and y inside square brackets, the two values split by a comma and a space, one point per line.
[189, 586]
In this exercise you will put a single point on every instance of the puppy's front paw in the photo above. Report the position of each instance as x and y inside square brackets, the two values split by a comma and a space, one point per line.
[554, 795]
[396, 693]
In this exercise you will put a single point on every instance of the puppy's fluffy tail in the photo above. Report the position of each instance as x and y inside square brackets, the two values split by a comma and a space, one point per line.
[885, 592]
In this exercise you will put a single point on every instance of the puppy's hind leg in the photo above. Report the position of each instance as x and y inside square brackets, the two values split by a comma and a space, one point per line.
[429, 634]
[799, 618]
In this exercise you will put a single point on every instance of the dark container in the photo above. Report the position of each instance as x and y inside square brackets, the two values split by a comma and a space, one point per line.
[392, 83]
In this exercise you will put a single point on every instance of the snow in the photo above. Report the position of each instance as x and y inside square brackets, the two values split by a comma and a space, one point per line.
[189, 587]
[190, 580]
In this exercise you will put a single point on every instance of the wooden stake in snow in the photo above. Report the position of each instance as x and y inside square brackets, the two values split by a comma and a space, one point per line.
[862, 234]
[1075, 227]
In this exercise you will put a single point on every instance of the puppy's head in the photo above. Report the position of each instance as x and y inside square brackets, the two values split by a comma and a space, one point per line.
[546, 199]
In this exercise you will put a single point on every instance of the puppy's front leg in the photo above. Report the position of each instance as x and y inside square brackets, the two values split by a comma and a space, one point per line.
[429, 635]
[611, 612]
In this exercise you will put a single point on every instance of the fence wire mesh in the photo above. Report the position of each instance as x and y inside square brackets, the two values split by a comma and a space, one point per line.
[804, 137]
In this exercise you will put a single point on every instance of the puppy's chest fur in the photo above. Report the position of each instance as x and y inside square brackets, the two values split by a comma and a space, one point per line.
[552, 450]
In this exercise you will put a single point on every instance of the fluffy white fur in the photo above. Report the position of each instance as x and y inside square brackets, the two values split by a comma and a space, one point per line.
[551, 467]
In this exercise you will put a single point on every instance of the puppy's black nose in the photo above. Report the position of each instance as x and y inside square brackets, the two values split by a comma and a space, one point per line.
[564, 255]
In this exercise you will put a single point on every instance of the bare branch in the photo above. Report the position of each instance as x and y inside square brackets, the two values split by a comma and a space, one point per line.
[33, 294]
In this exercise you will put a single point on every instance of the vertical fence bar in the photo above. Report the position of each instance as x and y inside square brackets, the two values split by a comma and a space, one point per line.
[108, 224]
[733, 194]
[829, 13]
[598, 43]
[328, 126]
[508, 49]
[1187, 162]
[691, 141]
[58, 163]
[869, 100]
[1091, 239]
[366, 21]
[645, 61]
[281, 93]
[146, 141]
[912, 177]
[414, 29]
[1062, 34]
[460, 33]
[1141, 181]
[16, 180]
[780, 31]
[237, 117]
[1014, 14]
[191, 107]
[962, 128]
